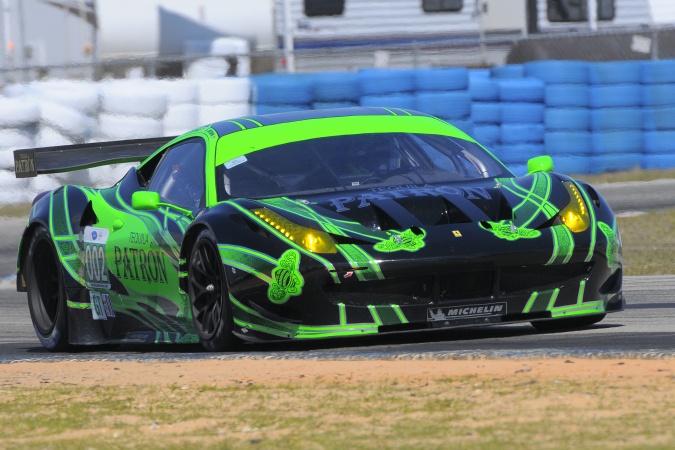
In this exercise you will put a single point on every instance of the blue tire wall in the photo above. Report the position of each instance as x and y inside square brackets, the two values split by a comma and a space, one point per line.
[616, 119]
[508, 71]
[659, 142]
[614, 163]
[488, 135]
[558, 72]
[658, 72]
[405, 101]
[520, 133]
[568, 143]
[566, 95]
[446, 105]
[283, 89]
[385, 81]
[615, 72]
[483, 90]
[658, 94]
[451, 79]
[523, 112]
[572, 164]
[616, 141]
[659, 118]
[529, 90]
[615, 95]
[567, 119]
[336, 87]
[486, 112]
[519, 154]
[658, 161]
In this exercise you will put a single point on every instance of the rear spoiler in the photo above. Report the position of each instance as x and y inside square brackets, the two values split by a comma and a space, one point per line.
[31, 162]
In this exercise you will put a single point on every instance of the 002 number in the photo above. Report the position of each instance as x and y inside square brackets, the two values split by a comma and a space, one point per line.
[94, 261]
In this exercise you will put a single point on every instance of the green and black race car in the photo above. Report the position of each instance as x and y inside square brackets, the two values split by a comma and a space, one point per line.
[306, 225]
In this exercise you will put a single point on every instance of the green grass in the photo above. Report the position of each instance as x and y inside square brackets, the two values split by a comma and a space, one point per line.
[447, 413]
[649, 243]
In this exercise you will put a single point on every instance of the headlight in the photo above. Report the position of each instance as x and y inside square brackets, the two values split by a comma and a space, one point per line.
[313, 240]
[575, 214]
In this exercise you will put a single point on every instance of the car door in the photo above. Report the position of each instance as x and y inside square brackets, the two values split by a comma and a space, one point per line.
[144, 252]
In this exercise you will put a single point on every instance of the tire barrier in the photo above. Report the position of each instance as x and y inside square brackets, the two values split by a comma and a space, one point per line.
[615, 95]
[282, 89]
[385, 81]
[658, 72]
[568, 143]
[528, 90]
[486, 112]
[483, 90]
[454, 105]
[452, 79]
[567, 119]
[405, 101]
[508, 71]
[330, 87]
[658, 94]
[616, 141]
[659, 142]
[615, 72]
[522, 113]
[522, 133]
[488, 135]
[558, 72]
[616, 119]
[566, 95]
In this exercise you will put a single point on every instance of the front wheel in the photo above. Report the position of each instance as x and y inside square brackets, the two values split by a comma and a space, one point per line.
[569, 323]
[46, 292]
[211, 311]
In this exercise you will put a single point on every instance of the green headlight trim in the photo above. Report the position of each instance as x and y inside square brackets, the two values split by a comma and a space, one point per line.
[251, 140]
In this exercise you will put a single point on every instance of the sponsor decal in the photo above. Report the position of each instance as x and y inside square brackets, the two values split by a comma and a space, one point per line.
[138, 238]
[408, 240]
[509, 231]
[140, 265]
[286, 278]
[405, 191]
[95, 268]
[101, 307]
[235, 162]
[458, 312]
[456, 233]
[24, 163]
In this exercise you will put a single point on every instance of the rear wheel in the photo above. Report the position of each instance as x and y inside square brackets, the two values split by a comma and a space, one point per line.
[46, 292]
[569, 323]
[211, 311]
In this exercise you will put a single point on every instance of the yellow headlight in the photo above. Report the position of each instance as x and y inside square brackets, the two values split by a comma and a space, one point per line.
[575, 215]
[315, 241]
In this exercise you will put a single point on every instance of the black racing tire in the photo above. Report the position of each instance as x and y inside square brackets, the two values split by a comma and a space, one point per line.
[569, 323]
[46, 292]
[209, 300]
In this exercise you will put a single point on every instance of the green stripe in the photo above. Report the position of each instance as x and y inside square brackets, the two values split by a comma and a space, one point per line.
[582, 288]
[388, 315]
[551, 303]
[78, 305]
[376, 317]
[400, 314]
[343, 314]
[530, 302]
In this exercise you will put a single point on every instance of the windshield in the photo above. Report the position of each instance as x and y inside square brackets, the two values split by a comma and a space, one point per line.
[346, 162]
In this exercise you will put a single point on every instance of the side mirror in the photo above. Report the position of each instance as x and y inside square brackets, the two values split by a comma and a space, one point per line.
[539, 164]
[150, 201]
[146, 200]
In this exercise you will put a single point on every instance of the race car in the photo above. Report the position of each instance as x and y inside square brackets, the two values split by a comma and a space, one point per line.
[308, 225]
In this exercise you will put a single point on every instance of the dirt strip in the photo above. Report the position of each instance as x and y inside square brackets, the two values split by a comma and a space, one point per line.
[277, 372]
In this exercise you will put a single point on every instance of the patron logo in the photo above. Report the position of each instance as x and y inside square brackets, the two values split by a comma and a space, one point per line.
[140, 265]
[459, 312]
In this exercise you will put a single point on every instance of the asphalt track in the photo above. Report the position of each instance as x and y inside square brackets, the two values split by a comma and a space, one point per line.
[645, 329]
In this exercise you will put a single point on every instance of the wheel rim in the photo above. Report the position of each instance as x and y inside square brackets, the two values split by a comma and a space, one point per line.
[45, 287]
[205, 289]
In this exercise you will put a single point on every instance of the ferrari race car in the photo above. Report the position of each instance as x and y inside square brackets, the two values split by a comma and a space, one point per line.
[311, 224]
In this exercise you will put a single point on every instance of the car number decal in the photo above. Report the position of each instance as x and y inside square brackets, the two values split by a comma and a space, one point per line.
[95, 268]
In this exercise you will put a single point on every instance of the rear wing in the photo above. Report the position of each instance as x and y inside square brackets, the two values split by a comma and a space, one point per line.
[65, 158]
